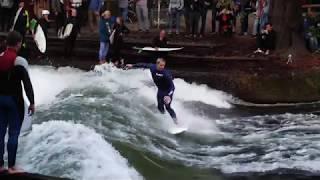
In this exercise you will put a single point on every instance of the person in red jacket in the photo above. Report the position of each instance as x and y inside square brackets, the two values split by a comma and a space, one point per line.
[8, 57]
[12, 74]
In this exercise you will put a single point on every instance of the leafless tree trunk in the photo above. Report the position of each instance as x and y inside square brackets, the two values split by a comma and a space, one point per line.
[286, 16]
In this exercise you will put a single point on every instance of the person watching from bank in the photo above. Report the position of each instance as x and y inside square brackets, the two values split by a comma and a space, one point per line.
[21, 20]
[119, 31]
[93, 14]
[142, 15]
[105, 27]
[266, 40]
[43, 22]
[175, 11]
[70, 40]
[57, 8]
[161, 40]
[6, 8]
[12, 73]
[123, 9]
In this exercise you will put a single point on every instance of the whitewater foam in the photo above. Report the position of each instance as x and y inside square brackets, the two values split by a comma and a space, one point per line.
[132, 84]
[73, 151]
[138, 93]
[48, 82]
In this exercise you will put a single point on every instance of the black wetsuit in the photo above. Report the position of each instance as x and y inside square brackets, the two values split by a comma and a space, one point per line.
[45, 26]
[118, 41]
[11, 80]
[70, 41]
[12, 103]
[164, 81]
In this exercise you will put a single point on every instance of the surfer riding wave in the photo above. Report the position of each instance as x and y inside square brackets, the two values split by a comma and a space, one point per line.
[164, 81]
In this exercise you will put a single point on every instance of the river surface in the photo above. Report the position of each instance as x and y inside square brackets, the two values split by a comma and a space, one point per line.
[106, 125]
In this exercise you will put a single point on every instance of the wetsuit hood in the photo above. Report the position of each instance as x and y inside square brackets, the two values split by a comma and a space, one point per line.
[20, 61]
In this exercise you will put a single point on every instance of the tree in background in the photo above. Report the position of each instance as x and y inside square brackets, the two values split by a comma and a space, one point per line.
[286, 16]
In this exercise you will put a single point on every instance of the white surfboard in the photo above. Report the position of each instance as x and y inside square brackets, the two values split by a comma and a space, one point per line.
[67, 30]
[177, 130]
[40, 39]
[157, 49]
[26, 127]
[15, 19]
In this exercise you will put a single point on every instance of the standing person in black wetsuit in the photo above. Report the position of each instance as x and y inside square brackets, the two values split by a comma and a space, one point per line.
[21, 20]
[160, 42]
[164, 81]
[21, 25]
[57, 8]
[71, 39]
[12, 73]
[195, 13]
[120, 30]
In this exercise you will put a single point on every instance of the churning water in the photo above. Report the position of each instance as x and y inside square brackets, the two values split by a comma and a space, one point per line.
[80, 115]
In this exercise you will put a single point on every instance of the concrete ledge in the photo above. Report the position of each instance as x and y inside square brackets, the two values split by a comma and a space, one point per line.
[28, 176]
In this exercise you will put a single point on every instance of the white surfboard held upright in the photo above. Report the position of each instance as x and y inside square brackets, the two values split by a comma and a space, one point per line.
[40, 39]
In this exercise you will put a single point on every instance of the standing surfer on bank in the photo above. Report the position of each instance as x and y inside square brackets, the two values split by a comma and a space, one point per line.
[164, 81]
[12, 72]
[70, 39]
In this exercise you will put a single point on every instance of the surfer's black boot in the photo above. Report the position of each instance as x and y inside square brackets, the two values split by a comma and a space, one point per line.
[175, 120]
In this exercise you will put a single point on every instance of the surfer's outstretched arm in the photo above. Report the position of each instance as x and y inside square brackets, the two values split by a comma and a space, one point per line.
[139, 65]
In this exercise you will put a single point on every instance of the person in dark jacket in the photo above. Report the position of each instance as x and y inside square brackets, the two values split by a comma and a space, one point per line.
[195, 12]
[105, 25]
[160, 41]
[266, 40]
[214, 24]
[71, 39]
[204, 11]
[119, 31]
[21, 20]
[164, 82]
[6, 8]
[247, 7]
[186, 12]
[12, 73]
[57, 9]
